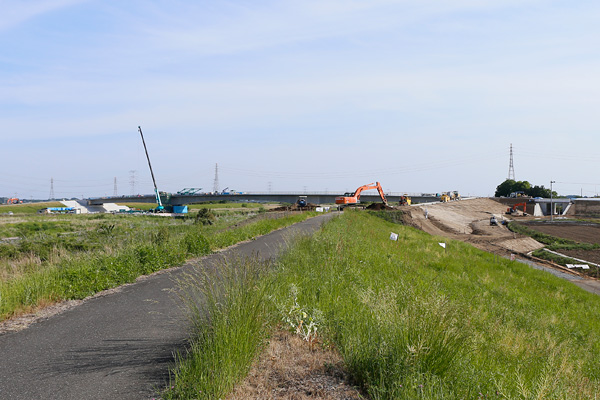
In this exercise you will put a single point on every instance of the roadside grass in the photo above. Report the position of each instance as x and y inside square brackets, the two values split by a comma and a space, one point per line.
[554, 257]
[413, 320]
[28, 208]
[229, 311]
[104, 251]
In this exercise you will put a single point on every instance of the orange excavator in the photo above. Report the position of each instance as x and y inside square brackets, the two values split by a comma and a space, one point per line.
[354, 198]
[513, 209]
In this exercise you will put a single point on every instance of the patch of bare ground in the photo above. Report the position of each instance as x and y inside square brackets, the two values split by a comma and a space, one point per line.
[469, 221]
[580, 232]
[290, 368]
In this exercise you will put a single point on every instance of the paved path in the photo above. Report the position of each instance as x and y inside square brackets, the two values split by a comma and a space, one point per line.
[118, 346]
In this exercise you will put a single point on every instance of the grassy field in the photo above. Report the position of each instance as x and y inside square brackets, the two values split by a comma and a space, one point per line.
[27, 208]
[411, 319]
[63, 257]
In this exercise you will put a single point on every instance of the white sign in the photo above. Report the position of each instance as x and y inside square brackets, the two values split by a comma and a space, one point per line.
[442, 244]
[394, 236]
[319, 209]
[582, 266]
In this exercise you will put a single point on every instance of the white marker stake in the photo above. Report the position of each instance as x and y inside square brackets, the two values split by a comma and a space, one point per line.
[442, 244]
[394, 236]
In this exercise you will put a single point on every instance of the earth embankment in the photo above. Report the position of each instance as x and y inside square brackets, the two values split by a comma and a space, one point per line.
[469, 221]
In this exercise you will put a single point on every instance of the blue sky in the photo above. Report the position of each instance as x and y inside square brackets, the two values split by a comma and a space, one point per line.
[423, 96]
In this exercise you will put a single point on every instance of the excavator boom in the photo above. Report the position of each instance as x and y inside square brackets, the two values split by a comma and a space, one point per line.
[354, 198]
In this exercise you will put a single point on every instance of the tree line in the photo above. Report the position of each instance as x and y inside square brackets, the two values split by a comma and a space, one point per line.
[510, 186]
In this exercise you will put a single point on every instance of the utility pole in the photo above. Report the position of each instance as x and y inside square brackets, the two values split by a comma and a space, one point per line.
[115, 191]
[551, 202]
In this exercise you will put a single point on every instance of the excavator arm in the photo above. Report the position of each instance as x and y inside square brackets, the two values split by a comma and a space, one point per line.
[354, 198]
[381, 194]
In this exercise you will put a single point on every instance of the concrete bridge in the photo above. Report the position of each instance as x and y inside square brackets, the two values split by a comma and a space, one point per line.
[280, 197]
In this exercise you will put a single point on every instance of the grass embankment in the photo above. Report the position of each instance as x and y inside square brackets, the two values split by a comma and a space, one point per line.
[28, 208]
[411, 320]
[72, 257]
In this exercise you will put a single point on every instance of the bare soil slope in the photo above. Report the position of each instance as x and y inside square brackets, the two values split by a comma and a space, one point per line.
[469, 220]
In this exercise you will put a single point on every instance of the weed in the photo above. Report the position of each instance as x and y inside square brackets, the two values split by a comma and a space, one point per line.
[228, 309]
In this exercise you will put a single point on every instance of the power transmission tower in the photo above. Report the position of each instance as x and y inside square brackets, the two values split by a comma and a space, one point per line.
[511, 167]
[115, 191]
[216, 183]
[51, 189]
[132, 181]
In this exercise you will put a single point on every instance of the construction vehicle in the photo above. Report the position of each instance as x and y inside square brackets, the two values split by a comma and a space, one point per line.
[405, 200]
[456, 195]
[354, 198]
[444, 198]
[14, 200]
[512, 210]
[493, 221]
[160, 207]
[302, 201]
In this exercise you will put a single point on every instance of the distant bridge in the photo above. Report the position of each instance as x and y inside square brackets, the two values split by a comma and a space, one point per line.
[280, 197]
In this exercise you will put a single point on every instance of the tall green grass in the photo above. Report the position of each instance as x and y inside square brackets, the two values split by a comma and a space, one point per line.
[108, 252]
[229, 310]
[413, 320]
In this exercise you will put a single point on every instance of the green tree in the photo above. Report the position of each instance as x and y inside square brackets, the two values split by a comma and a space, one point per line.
[539, 191]
[509, 186]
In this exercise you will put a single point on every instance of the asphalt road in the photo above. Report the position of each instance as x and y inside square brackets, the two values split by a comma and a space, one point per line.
[118, 346]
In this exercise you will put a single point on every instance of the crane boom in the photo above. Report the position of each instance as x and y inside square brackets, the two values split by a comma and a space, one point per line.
[160, 206]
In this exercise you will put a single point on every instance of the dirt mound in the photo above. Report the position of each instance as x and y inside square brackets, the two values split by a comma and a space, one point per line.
[469, 221]
[379, 207]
